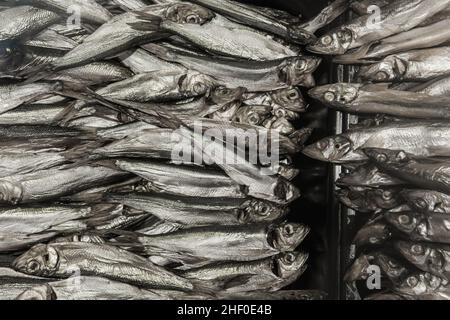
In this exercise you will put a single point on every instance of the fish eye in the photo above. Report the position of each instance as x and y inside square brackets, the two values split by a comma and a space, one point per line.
[421, 203]
[417, 249]
[289, 258]
[412, 281]
[301, 65]
[288, 230]
[381, 76]
[387, 195]
[293, 95]
[280, 113]
[404, 219]
[33, 266]
[199, 87]
[254, 119]
[264, 210]
[401, 156]
[5, 52]
[326, 40]
[382, 157]
[192, 18]
[329, 96]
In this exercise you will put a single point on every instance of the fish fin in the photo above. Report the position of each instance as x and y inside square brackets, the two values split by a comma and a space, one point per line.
[149, 22]
[357, 56]
[239, 281]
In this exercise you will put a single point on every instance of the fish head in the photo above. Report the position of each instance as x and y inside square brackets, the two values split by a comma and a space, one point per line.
[298, 34]
[356, 199]
[196, 84]
[221, 95]
[253, 211]
[43, 292]
[290, 99]
[420, 283]
[331, 149]
[227, 111]
[285, 191]
[339, 95]
[406, 222]
[287, 236]
[253, 115]
[359, 269]
[11, 55]
[281, 112]
[393, 269]
[288, 263]
[334, 43]
[289, 172]
[40, 260]
[422, 255]
[10, 192]
[297, 69]
[372, 234]
[425, 201]
[385, 156]
[384, 199]
[188, 13]
[385, 71]
[281, 125]
[361, 176]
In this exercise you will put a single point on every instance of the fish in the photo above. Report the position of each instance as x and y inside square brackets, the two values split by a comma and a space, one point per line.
[160, 86]
[190, 212]
[419, 226]
[237, 41]
[427, 36]
[98, 288]
[53, 183]
[305, 31]
[430, 174]
[270, 274]
[90, 11]
[372, 233]
[367, 175]
[427, 201]
[212, 243]
[280, 124]
[31, 114]
[424, 286]
[415, 65]
[369, 200]
[8, 131]
[427, 257]
[373, 99]
[252, 115]
[25, 226]
[24, 22]
[252, 75]
[396, 17]
[14, 283]
[290, 99]
[130, 4]
[183, 180]
[253, 17]
[15, 95]
[419, 138]
[439, 87]
[141, 61]
[50, 39]
[62, 260]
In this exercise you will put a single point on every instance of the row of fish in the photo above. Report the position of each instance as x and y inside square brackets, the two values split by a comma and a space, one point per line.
[97, 97]
[395, 160]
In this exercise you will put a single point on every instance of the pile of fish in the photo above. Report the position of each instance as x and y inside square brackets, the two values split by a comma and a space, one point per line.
[396, 160]
[97, 101]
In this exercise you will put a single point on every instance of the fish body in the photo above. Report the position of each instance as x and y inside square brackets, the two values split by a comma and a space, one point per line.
[427, 201]
[367, 176]
[424, 286]
[369, 200]
[419, 138]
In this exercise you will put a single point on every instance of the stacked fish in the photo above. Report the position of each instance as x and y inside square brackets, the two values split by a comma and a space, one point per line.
[396, 158]
[95, 99]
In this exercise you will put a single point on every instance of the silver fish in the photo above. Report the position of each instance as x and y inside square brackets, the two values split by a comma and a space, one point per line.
[369, 200]
[50, 39]
[140, 61]
[290, 99]
[270, 274]
[374, 99]
[211, 243]
[416, 65]
[14, 283]
[62, 260]
[424, 286]
[90, 11]
[187, 211]
[367, 176]
[33, 114]
[424, 173]
[399, 16]
[54, 183]
[236, 40]
[23, 22]
[14, 95]
[427, 201]
[420, 138]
